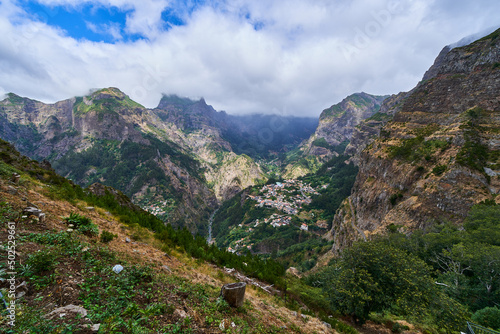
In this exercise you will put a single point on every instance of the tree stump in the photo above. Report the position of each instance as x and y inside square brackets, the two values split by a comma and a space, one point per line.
[35, 212]
[234, 293]
[15, 178]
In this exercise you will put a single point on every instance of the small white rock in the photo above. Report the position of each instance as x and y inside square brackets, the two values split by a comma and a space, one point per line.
[118, 268]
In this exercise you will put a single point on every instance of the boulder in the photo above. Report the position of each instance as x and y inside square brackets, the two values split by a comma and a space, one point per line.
[61, 311]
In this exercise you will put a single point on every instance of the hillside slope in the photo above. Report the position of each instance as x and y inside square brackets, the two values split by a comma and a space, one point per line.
[437, 157]
[59, 265]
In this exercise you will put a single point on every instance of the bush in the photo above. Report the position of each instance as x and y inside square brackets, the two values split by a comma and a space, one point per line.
[488, 317]
[90, 230]
[398, 328]
[107, 236]
[395, 198]
[42, 261]
[77, 220]
[438, 170]
[82, 224]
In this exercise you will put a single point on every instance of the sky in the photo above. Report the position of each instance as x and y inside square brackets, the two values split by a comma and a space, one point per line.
[287, 57]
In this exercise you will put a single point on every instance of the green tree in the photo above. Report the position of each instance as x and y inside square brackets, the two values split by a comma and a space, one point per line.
[375, 277]
[488, 317]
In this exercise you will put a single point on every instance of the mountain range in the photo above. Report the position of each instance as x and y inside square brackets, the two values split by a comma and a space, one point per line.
[382, 195]
[174, 159]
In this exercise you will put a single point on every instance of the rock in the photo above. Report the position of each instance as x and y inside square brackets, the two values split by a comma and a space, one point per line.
[327, 324]
[93, 328]
[224, 324]
[180, 313]
[294, 272]
[166, 268]
[90, 208]
[61, 311]
[20, 294]
[490, 172]
[118, 268]
[127, 240]
[69, 230]
[22, 285]
[234, 293]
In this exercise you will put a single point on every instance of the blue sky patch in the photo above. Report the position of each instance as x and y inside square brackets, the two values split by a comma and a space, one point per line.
[87, 21]
[170, 18]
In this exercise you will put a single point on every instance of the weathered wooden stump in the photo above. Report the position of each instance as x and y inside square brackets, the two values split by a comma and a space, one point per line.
[15, 178]
[35, 212]
[234, 293]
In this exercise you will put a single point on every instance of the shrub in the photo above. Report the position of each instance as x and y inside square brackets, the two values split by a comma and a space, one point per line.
[438, 170]
[77, 220]
[107, 236]
[395, 198]
[82, 224]
[398, 328]
[90, 230]
[42, 261]
[488, 317]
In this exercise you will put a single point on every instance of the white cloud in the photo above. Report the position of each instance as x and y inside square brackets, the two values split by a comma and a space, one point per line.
[112, 30]
[304, 55]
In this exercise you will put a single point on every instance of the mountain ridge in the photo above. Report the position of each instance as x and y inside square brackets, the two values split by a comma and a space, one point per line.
[438, 155]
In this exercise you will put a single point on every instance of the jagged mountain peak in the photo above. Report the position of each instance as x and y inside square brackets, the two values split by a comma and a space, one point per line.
[169, 101]
[335, 129]
[354, 101]
[470, 43]
[484, 34]
[15, 99]
[109, 94]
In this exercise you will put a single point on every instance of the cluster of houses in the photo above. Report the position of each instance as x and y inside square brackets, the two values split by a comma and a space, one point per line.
[158, 208]
[287, 196]
[239, 245]
[278, 221]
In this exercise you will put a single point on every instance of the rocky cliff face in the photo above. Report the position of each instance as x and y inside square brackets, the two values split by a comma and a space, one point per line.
[197, 126]
[369, 129]
[337, 123]
[438, 156]
[106, 137]
[335, 130]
